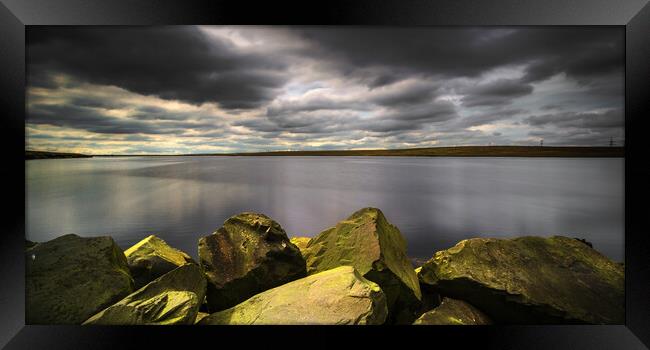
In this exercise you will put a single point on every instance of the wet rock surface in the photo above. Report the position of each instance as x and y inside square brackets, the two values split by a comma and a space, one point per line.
[338, 296]
[530, 280]
[369, 243]
[171, 299]
[70, 278]
[151, 258]
[249, 254]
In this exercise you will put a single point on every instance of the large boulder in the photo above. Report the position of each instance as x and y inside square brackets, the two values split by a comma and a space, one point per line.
[530, 280]
[369, 243]
[248, 255]
[453, 312]
[151, 258]
[339, 296]
[70, 278]
[171, 299]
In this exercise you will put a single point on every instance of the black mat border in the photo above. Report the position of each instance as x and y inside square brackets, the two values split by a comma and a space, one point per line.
[634, 15]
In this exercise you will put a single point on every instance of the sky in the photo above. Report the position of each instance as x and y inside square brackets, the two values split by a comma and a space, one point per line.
[218, 89]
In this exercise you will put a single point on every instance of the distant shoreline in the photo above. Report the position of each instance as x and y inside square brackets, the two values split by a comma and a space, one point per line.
[462, 151]
[53, 155]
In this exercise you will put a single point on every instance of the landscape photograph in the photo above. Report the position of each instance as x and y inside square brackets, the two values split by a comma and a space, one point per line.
[324, 175]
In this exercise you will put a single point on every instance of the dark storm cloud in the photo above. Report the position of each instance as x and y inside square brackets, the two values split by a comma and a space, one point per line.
[550, 107]
[324, 87]
[321, 121]
[85, 118]
[313, 104]
[428, 113]
[169, 62]
[609, 119]
[97, 121]
[578, 128]
[402, 50]
[94, 102]
[468, 52]
[488, 117]
[583, 55]
[498, 92]
[152, 113]
[406, 96]
[128, 137]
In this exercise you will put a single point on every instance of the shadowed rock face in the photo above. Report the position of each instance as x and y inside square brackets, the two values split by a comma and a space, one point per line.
[248, 255]
[29, 244]
[151, 258]
[453, 312]
[338, 296]
[173, 298]
[530, 280]
[70, 278]
[375, 248]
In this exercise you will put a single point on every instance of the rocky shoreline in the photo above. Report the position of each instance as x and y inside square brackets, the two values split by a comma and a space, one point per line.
[357, 272]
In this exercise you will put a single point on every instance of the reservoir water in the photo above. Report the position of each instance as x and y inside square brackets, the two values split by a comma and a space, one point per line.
[435, 202]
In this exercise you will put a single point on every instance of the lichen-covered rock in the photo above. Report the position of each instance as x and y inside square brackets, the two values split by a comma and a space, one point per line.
[339, 296]
[151, 258]
[174, 298]
[300, 242]
[375, 248]
[453, 312]
[70, 278]
[248, 255]
[530, 280]
[200, 316]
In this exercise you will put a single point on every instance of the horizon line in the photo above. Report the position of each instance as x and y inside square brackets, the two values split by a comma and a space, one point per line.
[465, 147]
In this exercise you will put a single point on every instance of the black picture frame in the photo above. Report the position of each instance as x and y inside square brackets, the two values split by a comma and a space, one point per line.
[634, 15]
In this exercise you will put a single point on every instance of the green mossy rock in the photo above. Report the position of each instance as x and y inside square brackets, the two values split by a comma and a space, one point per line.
[200, 316]
[300, 242]
[171, 299]
[248, 255]
[340, 296]
[453, 312]
[375, 248]
[151, 258]
[530, 280]
[71, 278]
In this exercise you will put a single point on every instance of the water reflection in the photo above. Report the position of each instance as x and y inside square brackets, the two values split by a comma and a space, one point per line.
[434, 201]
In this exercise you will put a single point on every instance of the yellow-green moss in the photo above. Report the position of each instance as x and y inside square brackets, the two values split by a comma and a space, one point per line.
[173, 298]
[375, 248]
[336, 296]
[70, 278]
[155, 246]
[453, 312]
[151, 258]
[300, 242]
[531, 279]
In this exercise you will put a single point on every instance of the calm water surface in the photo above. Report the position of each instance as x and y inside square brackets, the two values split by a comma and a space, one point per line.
[435, 202]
